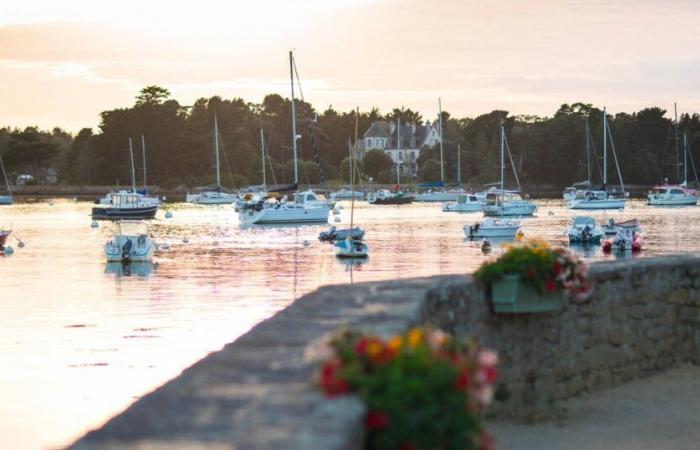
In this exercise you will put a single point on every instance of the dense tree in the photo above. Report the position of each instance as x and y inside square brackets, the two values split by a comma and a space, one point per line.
[375, 162]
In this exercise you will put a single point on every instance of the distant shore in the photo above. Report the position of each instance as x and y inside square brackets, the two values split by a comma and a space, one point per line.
[91, 192]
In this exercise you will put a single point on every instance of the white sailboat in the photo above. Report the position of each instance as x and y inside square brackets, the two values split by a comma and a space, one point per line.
[352, 247]
[143, 197]
[676, 194]
[601, 198]
[5, 199]
[495, 227]
[501, 202]
[307, 206]
[214, 194]
[347, 194]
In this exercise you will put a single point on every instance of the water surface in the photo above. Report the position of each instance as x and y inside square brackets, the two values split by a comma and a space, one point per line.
[80, 339]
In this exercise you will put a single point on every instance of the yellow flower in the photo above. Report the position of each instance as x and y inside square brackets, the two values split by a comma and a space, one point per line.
[415, 336]
[374, 348]
[395, 343]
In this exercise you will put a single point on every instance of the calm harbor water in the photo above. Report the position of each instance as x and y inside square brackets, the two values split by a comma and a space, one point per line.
[80, 339]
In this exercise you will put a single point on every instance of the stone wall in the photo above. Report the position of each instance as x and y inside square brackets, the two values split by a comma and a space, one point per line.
[255, 393]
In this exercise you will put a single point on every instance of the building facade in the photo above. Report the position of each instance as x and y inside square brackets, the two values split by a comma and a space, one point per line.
[401, 142]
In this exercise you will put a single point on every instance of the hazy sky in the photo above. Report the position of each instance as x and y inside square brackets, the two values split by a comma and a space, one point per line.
[61, 63]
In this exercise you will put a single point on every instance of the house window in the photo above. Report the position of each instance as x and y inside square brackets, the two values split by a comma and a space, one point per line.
[400, 156]
[411, 155]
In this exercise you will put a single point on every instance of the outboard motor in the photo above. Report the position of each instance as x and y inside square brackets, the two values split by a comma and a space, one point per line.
[126, 250]
[586, 233]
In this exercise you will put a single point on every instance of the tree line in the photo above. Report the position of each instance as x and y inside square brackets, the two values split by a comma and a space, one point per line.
[547, 151]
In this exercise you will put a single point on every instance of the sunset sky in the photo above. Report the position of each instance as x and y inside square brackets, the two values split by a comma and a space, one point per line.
[61, 63]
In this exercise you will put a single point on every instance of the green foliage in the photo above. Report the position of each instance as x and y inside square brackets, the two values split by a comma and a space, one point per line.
[376, 162]
[430, 170]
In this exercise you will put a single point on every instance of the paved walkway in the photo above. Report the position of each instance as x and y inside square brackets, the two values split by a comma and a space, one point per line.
[660, 413]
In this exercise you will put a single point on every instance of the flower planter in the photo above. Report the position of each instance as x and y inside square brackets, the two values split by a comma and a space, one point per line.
[510, 296]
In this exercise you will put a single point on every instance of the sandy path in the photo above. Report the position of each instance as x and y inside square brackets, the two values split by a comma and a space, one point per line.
[661, 412]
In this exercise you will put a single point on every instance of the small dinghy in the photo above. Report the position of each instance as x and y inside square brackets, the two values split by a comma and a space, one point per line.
[490, 227]
[583, 229]
[611, 227]
[4, 236]
[625, 240]
[338, 235]
[351, 248]
[130, 243]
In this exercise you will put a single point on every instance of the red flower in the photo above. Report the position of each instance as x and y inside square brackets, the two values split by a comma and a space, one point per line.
[485, 442]
[408, 446]
[550, 285]
[331, 383]
[376, 420]
[488, 374]
[531, 272]
[556, 268]
[462, 381]
[361, 346]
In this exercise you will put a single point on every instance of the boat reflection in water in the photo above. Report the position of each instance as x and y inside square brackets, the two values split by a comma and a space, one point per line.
[139, 269]
[585, 249]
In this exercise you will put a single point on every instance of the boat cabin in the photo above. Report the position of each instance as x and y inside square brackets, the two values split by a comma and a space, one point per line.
[495, 198]
[467, 198]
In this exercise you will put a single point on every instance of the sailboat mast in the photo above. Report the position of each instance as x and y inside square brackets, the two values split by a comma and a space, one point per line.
[685, 158]
[133, 170]
[442, 164]
[678, 163]
[294, 118]
[502, 166]
[352, 172]
[143, 151]
[350, 156]
[216, 149]
[588, 152]
[459, 165]
[262, 150]
[4, 174]
[605, 149]
[398, 147]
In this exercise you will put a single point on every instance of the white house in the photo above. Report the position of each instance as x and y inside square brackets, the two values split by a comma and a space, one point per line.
[402, 143]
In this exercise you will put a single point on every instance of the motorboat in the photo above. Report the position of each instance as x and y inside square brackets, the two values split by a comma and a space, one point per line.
[145, 199]
[464, 203]
[625, 240]
[5, 199]
[611, 227]
[130, 243]
[125, 205]
[387, 197]
[351, 248]
[596, 199]
[491, 227]
[672, 195]
[338, 235]
[306, 208]
[507, 203]
[583, 229]
[347, 194]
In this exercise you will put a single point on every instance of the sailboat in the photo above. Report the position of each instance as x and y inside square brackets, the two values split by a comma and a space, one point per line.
[212, 194]
[306, 207]
[676, 194]
[7, 198]
[590, 198]
[351, 247]
[127, 204]
[496, 227]
[145, 198]
[502, 202]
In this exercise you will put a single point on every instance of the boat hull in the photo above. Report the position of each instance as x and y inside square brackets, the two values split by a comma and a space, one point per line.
[347, 195]
[596, 204]
[211, 199]
[405, 200]
[436, 197]
[140, 213]
[4, 235]
[283, 215]
[672, 201]
[6, 199]
[527, 209]
[350, 249]
[462, 207]
[503, 231]
[141, 250]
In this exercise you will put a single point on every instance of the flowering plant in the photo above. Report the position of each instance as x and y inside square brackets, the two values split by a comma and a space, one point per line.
[545, 269]
[422, 389]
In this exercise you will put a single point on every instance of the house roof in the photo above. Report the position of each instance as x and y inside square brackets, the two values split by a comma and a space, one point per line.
[382, 129]
[378, 128]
